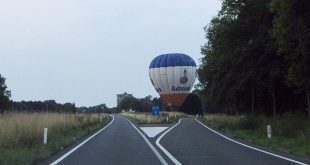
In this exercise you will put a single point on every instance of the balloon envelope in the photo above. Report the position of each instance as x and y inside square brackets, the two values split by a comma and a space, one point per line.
[173, 76]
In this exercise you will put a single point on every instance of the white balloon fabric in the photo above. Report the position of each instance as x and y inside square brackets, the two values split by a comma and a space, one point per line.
[173, 76]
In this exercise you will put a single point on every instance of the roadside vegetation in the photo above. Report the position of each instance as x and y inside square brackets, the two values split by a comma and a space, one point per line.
[256, 58]
[21, 134]
[147, 118]
[256, 62]
[290, 133]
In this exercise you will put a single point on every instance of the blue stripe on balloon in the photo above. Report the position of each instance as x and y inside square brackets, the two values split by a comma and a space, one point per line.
[172, 59]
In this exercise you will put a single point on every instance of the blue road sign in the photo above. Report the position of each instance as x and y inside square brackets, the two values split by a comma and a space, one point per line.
[155, 110]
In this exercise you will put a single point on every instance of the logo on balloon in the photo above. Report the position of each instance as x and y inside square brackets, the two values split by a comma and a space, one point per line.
[184, 79]
[178, 88]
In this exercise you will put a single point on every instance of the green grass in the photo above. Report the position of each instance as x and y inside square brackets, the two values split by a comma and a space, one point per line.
[147, 118]
[290, 133]
[28, 148]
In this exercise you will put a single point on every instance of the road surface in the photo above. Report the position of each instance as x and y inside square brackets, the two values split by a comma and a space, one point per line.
[187, 142]
[192, 143]
[119, 143]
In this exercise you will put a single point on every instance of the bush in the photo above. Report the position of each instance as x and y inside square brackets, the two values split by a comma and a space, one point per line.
[290, 133]
[289, 126]
[250, 123]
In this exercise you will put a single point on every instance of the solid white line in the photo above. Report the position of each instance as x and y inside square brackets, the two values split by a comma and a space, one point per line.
[161, 159]
[275, 155]
[174, 160]
[78, 146]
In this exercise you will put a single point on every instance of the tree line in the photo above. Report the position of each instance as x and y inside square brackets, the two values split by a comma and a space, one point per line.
[192, 104]
[257, 58]
[41, 106]
[140, 104]
[101, 108]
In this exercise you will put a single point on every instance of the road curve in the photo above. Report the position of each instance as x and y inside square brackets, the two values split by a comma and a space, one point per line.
[192, 143]
[118, 144]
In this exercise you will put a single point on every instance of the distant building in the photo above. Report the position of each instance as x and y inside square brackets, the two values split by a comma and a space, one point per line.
[120, 97]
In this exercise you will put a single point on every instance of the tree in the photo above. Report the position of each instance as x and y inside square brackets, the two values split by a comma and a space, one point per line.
[140, 104]
[291, 30]
[251, 64]
[69, 107]
[159, 102]
[5, 95]
[192, 105]
[129, 103]
[235, 53]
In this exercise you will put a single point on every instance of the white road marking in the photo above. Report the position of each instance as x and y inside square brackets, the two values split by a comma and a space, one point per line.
[275, 155]
[161, 159]
[174, 160]
[153, 131]
[78, 146]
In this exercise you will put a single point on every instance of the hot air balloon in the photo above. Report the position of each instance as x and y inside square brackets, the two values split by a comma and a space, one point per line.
[173, 76]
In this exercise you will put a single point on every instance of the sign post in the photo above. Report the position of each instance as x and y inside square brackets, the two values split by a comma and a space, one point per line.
[269, 131]
[45, 136]
[155, 111]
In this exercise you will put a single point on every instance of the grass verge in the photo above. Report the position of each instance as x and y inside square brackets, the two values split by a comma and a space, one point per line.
[290, 133]
[21, 134]
[147, 118]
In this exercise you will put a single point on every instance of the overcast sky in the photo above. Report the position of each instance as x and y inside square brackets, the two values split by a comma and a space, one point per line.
[87, 51]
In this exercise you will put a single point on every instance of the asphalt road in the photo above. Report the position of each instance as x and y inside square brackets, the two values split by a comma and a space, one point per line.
[191, 143]
[119, 143]
[187, 142]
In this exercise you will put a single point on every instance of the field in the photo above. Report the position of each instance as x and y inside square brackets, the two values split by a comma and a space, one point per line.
[147, 118]
[290, 134]
[21, 134]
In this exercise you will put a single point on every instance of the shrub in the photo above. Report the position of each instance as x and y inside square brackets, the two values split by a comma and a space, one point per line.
[249, 123]
[289, 126]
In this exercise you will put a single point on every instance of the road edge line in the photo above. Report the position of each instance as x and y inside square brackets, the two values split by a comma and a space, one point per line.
[161, 159]
[78, 146]
[266, 152]
[171, 157]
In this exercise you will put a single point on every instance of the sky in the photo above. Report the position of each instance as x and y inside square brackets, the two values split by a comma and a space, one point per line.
[87, 51]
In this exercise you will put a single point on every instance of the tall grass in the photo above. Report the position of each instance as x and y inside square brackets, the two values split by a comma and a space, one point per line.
[147, 118]
[290, 133]
[27, 128]
[23, 133]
